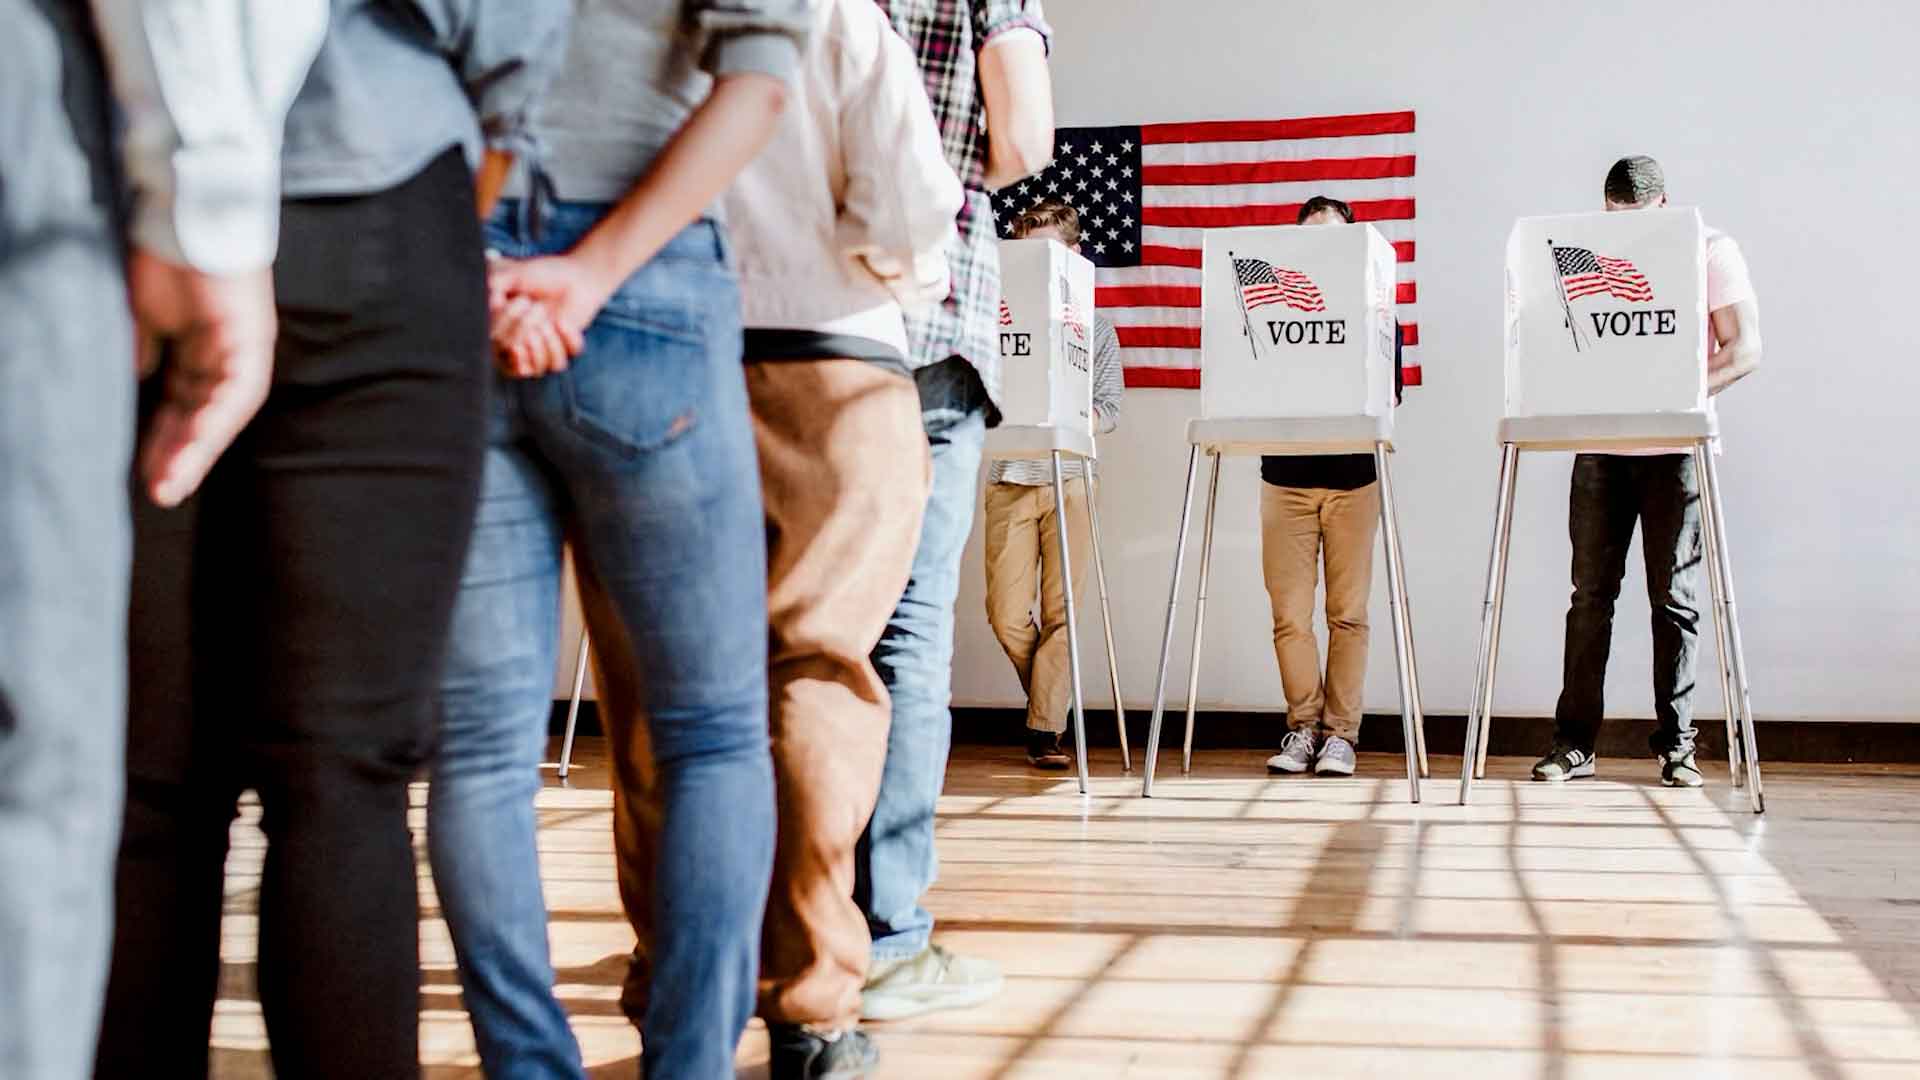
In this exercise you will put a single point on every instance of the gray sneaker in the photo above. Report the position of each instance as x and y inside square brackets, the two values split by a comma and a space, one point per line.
[1296, 753]
[1336, 758]
[932, 980]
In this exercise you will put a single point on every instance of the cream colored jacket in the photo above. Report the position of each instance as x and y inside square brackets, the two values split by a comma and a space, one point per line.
[844, 218]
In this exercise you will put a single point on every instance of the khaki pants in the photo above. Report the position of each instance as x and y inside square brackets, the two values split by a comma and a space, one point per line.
[845, 472]
[1296, 526]
[1023, 559]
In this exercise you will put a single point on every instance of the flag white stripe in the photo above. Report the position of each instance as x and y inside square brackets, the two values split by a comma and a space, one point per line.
[1352, 191]
[1170, 236]
[1222, 153]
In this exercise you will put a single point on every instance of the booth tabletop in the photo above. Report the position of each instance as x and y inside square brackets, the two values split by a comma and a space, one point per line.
[1022, 441]
[1292, 436]
[1609, 431]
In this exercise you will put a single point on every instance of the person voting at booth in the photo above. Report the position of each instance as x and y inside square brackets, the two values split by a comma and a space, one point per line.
[1315, 507]
[1659, 490]
[1023, 554]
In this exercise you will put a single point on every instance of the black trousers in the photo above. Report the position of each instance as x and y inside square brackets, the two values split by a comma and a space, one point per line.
[1610, 494]
[287, 630]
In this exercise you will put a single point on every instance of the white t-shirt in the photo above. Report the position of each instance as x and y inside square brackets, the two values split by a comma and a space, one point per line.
[1728, 283]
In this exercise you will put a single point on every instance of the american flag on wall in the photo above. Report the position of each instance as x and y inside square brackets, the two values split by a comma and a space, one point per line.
[1145, 192]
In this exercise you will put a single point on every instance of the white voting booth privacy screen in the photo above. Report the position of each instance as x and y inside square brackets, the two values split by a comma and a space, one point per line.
[1298, 322]
[1046, 336]
[1607, 313]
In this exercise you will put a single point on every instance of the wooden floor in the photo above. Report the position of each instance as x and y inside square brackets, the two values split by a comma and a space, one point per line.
[1236, 926]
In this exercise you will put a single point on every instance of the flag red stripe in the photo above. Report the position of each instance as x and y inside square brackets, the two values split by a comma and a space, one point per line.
[1403, 251]
[1124, 296]
[1162, 255]
[1317, 127]
[1278, 172]
[1162, 378]
[1158, 337]
[1410, 333]
[1226, 217]
[1188, 296]
[1141, 377]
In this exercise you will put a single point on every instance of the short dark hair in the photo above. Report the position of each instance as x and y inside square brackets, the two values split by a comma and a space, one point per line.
[1321, 202]
[1634, 180]
[1049, 214]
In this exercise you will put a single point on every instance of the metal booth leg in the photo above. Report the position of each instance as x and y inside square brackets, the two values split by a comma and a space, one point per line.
[1073, 626]
[573, 707]
[1480, 705]
[1710, 492]
[1200, 611]
[1166, 635]
[1406, 606]
[1736, 760]
[1401, 661]
[1106, 617]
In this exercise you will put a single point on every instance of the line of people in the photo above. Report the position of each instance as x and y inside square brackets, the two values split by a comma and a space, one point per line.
[701, 288]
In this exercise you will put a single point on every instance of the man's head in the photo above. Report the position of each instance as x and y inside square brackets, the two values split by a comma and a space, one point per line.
[1636, 183]
[1321, 210]
[1049, 219]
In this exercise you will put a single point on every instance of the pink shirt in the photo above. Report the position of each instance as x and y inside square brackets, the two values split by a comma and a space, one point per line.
[1728, 283]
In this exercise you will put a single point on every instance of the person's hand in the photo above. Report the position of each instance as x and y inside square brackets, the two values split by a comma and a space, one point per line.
[565, 293]
[218, 369]
[527, 341]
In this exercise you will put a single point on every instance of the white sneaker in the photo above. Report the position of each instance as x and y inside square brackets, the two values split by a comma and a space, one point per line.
[1296, 753]
[934, 979]
[1336, 758]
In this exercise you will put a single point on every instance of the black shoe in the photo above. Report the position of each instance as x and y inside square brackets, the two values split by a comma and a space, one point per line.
[1680, 770]
[1045, 752]
[1562, 764]
[806, 1053]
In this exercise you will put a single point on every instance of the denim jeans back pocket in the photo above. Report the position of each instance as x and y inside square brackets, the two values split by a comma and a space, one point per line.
[640, 383]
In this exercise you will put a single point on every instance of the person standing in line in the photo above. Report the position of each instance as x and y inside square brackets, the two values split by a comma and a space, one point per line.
[842, 221]
[1023, 545]
[984, 63]
[77, 281]
[288, 624]
[621, 424]
[1315, 508]
[1657, 489]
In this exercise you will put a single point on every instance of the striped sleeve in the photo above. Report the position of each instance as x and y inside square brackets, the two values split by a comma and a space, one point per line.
[1109, 380]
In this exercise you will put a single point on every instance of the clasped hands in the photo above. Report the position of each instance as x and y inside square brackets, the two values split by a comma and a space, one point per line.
[540, 310]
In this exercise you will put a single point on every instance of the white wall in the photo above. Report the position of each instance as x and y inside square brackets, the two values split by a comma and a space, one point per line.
[1795, 132]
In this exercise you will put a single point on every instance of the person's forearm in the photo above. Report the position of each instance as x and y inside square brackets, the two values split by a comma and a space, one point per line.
[1735, 361]
[717, 141]
[1018, 94]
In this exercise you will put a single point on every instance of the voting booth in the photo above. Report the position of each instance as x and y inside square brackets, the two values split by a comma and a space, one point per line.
[1046, 336]
[1297, 322]
[1606, 352]
[1297, 353]
[1046, 391]
[1606, 313]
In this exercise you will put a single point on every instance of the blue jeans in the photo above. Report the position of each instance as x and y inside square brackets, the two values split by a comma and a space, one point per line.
[66, 429]
[642, 455]
[896, 863]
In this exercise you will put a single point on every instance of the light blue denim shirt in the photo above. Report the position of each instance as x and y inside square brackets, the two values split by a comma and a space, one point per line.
[397, 82]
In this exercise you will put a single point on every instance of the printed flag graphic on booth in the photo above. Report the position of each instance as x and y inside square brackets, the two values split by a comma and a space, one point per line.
[1146, 195]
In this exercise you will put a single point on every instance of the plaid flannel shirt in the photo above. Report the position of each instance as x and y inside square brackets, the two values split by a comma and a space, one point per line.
[947, 36]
